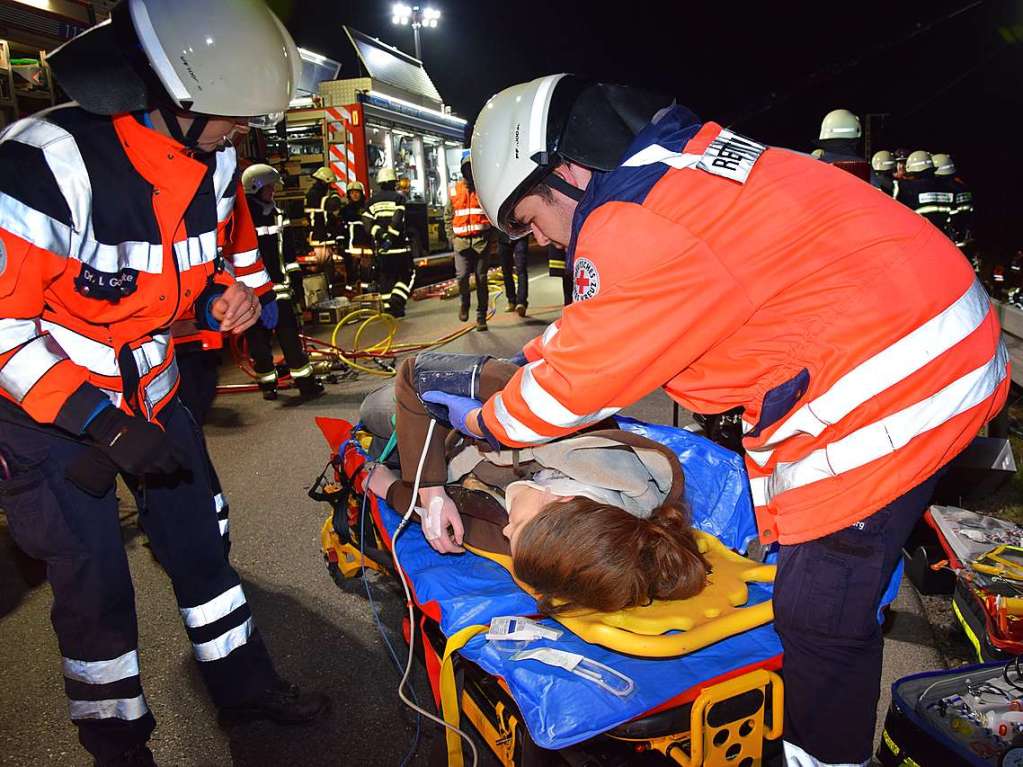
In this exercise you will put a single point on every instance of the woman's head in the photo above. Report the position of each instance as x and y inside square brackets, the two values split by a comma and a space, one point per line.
[577, 553]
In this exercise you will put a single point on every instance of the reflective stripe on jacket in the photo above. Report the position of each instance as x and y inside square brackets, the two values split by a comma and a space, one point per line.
[851, 331]
[465, 223]
[109, 232]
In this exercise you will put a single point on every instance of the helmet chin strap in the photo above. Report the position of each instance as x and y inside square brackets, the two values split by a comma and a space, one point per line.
[555, 181]
[189, 140]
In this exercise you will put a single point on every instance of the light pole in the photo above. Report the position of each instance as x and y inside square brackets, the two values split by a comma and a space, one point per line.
[416, 16]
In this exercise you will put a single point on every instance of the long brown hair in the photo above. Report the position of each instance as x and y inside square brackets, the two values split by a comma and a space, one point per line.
[580, 554]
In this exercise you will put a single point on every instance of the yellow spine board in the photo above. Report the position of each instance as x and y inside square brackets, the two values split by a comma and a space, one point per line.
[710, 616]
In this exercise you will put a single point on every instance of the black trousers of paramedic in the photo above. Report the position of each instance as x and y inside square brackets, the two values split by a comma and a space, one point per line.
[79, 538]
[826, 597]
[200, 373]
[259, 341]
[396, 276]
[513, 268]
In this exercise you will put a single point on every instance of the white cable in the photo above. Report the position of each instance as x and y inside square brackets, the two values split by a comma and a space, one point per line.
[411, 612]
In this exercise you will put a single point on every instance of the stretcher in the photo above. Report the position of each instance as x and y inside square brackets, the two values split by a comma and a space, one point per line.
[703, 682]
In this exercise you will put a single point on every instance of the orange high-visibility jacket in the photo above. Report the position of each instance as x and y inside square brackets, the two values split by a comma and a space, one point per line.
[853, 333]
[109, 232]
[467, 217]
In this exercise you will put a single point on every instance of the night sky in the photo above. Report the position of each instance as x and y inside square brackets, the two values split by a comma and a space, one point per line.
[943, 75]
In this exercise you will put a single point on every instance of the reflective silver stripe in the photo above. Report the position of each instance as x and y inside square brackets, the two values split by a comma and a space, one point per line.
[82, 350]
[267, 377]
[964, 197]
[382, 207]
[103, 671]
[254, 280]
[219, 503]
[885, 436]
[219, 607]
[14, 333]
[293, 267]
[925, 209]
[65, 161]
[263, 231]
[32, 226]
[885, 369]
[223, 176]
[161, 386]
[935, 197]
[115, 397]
[224, 644]
[128, 709]
[245, 258]
[303, 372]
[469, 229]
[513, 427]
[543, 404]
[196, 250]
[657, 153]
[225, 526]
[470, 212]
[29, 364]
[152, 354]
[549, 333]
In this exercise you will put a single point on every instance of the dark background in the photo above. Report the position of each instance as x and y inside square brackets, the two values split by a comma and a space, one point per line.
[940, 75]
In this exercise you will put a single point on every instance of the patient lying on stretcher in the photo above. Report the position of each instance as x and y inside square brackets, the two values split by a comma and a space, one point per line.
[593, 521]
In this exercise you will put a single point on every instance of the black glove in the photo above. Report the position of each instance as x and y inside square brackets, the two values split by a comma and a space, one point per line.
[133, 444]
[93, 472]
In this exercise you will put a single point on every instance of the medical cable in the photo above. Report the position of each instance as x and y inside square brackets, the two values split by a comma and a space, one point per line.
[376, 617]
[408, 601]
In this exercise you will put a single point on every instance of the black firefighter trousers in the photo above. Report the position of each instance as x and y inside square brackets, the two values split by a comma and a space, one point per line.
[259, 339]
[79, 538]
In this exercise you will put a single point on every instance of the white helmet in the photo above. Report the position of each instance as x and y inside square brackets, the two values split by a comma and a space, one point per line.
[840, 123]
[257, 176]
[919, 161]
[527, 130]
[231, 58]
[882, 161]
[325, 174]
[943, 165]
[386, 174]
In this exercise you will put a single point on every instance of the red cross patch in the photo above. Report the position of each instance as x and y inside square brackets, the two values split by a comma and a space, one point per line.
[585, 280]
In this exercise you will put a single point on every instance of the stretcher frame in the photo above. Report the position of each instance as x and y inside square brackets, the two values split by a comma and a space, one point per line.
[732, 719]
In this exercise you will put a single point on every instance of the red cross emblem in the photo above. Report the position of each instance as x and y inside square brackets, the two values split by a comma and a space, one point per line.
[586, 280]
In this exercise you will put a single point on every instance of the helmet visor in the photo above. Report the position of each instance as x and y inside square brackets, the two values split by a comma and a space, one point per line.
[267, 121]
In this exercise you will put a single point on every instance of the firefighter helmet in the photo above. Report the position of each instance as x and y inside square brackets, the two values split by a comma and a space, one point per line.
[356, 186]
[919, 161]
[386, 174]
[257, 176]
[325, 175]
[943, 165]
[840, 123]
[883, 161]
[231, 58]
[524, 132]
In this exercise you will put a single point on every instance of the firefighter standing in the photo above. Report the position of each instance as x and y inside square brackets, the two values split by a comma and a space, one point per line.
[96, 262]
[468, 230]
[854, 335]
[882, 168]
[259, 183]
[960, 218]
[513, 256]
[920, 190]
[385, 221]
[839, 143]
[358, 243]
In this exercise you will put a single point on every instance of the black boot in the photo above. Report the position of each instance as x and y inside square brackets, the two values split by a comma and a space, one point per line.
[140, 756]
[463, 314]
[309, 388]
[283, 703]
[269, 389]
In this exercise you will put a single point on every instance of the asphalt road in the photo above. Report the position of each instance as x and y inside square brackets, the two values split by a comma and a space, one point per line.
[321, 636]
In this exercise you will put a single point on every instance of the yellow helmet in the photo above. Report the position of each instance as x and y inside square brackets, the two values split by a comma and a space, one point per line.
[882, 161]
[386, 174]
[943, 165]
[356, 186]
[840, 123]
[325, 174]
[919, 161]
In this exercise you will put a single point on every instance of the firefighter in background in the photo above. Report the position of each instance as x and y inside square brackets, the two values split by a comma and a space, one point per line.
[882, 168]
[259, 182]
[855, 337]
[921, 191]
[513, 255]
[322, 205]
[839, 143]
[556, 267]
[384, 219]
[468, 231]
[94, 262]
[358, 243]
[960, 218]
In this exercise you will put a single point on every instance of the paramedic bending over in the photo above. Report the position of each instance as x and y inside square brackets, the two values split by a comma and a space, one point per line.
[851, 331]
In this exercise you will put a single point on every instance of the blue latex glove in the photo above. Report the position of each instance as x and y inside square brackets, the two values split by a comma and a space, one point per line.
[268, 317]
[519, 359]
[458, 409]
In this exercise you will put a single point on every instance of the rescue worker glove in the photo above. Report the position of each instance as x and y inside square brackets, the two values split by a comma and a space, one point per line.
[459, 409]
[268, 316]
[134, 445]
[92, 472]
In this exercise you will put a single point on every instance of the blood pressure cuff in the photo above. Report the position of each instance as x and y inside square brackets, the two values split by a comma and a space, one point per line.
[450, 373]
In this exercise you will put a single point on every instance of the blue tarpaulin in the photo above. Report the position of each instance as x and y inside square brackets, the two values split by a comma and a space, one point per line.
[559, 708]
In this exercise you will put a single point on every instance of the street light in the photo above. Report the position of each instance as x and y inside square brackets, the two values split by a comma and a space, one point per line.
[417, 17]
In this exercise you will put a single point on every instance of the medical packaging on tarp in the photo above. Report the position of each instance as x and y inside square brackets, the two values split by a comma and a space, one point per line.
[561, 708]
